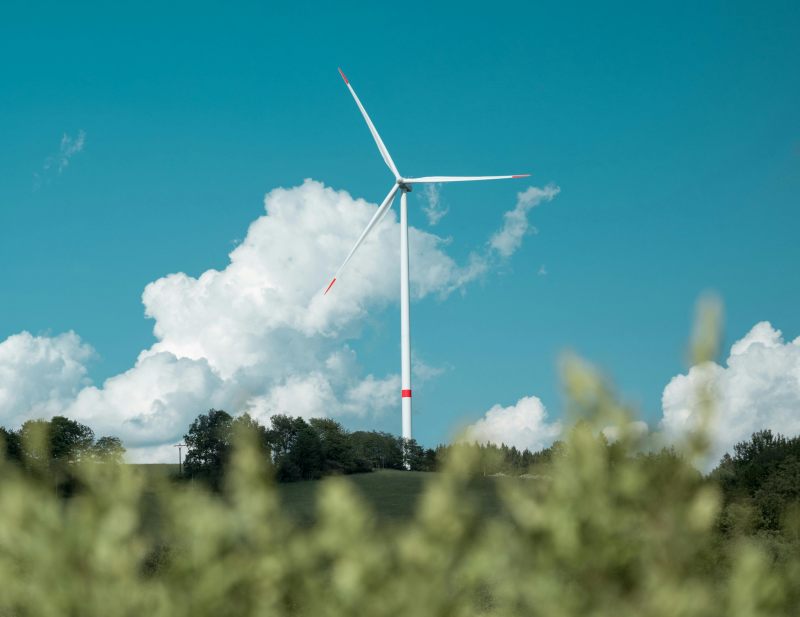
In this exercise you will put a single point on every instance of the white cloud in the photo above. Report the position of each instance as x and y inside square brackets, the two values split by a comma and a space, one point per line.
[421, 371]
[69, 147]
[515, 222]
[758, 388]
[39, 375]
[270, 295]
[524, 425]
[55, 164]
[155, 401]
[434, 210]
[256, 336]
[637, 429]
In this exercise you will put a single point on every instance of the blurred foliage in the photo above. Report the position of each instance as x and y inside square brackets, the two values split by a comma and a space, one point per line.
[602, 530]
[49, 450]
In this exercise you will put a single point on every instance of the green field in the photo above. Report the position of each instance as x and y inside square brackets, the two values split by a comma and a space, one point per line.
[157, 470]
[392, 495]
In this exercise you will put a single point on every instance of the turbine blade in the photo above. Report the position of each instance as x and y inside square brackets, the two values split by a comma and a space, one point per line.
[436, 179]
[384, 152]
[376, 218]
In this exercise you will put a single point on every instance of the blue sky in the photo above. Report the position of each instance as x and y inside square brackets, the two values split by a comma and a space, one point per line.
[673, 132]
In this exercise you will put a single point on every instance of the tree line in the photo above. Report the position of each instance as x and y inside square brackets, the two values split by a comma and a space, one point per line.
[298, 449]
[302, 449]
[760, 484]
[49, 449]
[759, 480]
[59, 441]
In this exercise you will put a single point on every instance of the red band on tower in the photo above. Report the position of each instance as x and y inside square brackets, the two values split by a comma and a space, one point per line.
[405, 393]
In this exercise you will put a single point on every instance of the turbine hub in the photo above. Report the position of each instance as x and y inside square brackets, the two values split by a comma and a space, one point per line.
[406, 188]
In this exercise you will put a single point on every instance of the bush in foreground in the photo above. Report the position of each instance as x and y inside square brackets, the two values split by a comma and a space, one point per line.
[606, 532]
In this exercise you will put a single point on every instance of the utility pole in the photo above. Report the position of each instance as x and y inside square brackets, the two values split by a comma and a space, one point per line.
[180, 447]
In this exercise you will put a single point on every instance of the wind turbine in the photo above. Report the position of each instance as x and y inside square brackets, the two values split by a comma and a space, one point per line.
[403, 185]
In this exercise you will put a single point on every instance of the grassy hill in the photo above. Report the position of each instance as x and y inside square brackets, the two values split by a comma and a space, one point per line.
[392, 495]
[157, 470]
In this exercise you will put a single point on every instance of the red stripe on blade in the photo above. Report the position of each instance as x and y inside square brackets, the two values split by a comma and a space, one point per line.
[405, 393]
[343, 76]
[522, 176]
[329, 286]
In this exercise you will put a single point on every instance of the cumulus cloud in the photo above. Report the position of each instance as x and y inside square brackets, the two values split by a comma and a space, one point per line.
[757, 388]
[515, 222]
[257, 335]
[40, 375]
[153, 402]
[524, 425]
[270, 297]
[434, 209]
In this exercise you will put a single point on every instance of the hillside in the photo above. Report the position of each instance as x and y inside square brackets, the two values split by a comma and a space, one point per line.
[392, 495]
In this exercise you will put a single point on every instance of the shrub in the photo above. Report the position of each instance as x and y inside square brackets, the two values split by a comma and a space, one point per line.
[607, 532]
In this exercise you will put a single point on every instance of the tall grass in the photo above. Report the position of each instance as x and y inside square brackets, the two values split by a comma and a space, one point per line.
[600, 532]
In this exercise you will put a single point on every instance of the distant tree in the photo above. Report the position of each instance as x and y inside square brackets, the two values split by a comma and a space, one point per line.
[108, 450]
[338, 451]
[760, 482]
[304, 459]
[49, 449]
[210, 443]
[10, 445]
[34, 438]
[208, 446]
[70, 441]
[779, 492]
[247, 424]
[500, 458]
[414, 456]
[381, 450]
[430, 460]
[60, 440]
[281, 435]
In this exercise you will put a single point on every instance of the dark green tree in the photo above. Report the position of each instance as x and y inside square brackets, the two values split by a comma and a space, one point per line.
[779, 493]
[381, 450]
[60, 440]
[414, 456]
[281, 435]
[760, 483]
[210, 442]
[304, 459]
[208, 446]
[10, 445]
[108, 450]
[338, 453]
[70, 441]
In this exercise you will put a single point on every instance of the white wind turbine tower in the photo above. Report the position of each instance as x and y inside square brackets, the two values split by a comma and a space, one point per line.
[404, 185]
